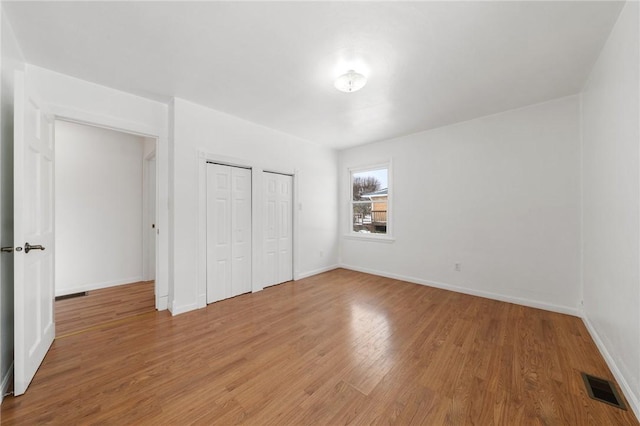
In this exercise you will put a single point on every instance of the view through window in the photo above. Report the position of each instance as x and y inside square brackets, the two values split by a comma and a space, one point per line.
[369, 201]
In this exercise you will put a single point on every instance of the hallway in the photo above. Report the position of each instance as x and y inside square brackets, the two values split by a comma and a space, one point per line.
[79, 314]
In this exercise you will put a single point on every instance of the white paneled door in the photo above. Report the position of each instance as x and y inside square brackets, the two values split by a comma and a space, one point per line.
[228, 231]
[34, 327]
[278, 228]
[150, 220]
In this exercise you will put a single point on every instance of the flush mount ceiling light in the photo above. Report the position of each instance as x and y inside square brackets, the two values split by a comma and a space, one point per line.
[350, 82]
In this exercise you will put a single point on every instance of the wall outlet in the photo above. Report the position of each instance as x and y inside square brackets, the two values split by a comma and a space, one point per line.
[321, 253]
[457, 267]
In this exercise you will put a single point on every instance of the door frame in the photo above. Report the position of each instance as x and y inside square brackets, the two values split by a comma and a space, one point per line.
[80, 118]
[257, 183]
[145, 214]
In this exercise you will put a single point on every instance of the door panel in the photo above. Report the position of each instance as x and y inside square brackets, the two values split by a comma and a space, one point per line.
[151, 220]
[218, 232]
[241, 225]
[228, 231]
[270, 229]
[278, 241]
[33, 224]
[285, 241]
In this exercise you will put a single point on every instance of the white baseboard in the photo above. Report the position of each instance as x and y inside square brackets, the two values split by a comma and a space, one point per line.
[162, 303]
[486, 294]
[6, 382]
[181, 309]
[308, 274]
[632, 399]
[202, 299]
[97, 286]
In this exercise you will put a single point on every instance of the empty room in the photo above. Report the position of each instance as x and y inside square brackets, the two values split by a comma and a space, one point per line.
[287, 213]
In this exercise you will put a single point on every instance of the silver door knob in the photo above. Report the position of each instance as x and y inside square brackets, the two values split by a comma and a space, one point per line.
[28, 247]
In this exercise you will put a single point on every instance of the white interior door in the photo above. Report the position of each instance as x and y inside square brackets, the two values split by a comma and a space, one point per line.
[33, 234]
[151, 219]
[270, 229]
[218, 232]
[241, 226]
[228, 231]
[278, 241]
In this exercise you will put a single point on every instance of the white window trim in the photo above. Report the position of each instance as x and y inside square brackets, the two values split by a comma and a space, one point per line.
[382, 238]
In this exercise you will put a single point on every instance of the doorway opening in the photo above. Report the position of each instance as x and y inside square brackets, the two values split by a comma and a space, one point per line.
[105, 221]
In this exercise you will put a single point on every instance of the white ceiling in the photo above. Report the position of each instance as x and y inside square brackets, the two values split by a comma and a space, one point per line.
[429, 64]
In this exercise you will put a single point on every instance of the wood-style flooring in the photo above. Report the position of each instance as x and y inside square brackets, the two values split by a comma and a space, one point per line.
[101, 306]
[338, 348]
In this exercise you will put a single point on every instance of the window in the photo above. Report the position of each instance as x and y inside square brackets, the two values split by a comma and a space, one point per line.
[370, 201]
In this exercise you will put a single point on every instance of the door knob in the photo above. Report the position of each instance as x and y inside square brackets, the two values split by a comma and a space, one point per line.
[28, 247]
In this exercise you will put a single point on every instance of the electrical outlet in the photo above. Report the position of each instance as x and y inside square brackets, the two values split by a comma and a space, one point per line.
[457, 267]
[321, 253]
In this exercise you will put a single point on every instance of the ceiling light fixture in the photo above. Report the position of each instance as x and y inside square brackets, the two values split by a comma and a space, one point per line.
[350, 82]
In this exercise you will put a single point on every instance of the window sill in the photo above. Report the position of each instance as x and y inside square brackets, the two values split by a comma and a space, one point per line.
[369, 237]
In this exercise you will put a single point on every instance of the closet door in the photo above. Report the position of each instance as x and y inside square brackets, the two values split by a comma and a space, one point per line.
[241, 230]
[228, 231]
[218, 232]
[278, 228]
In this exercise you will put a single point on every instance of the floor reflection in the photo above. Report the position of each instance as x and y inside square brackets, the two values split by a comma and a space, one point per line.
[370, 332]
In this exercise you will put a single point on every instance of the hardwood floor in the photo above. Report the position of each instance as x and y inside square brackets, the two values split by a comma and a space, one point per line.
[105, 305]
[340, 347]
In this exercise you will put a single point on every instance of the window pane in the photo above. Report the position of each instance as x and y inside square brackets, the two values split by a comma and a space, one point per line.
[368, 182]
[367, 221]
[369, 201]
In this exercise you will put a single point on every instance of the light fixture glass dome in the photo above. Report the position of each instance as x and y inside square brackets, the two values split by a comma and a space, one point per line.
[350, 82]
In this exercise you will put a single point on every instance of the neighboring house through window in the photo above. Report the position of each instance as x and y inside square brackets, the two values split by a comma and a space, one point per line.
[379, 206]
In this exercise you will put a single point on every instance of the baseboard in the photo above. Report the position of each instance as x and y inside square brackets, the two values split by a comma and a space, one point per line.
[162, 303]
[97, 286]
[202, 299]
[308, 274]
[181, 309]
[632, 399]
[6, 383]
[486, 294]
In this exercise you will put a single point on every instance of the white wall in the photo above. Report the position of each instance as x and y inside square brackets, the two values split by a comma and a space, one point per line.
[198, 129]
[500, 195]
[11, 60]
[611, 197]
[82, 101]
[99, 203]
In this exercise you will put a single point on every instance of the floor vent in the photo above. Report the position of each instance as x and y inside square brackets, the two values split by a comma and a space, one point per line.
[603, 390]
[71, 296]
